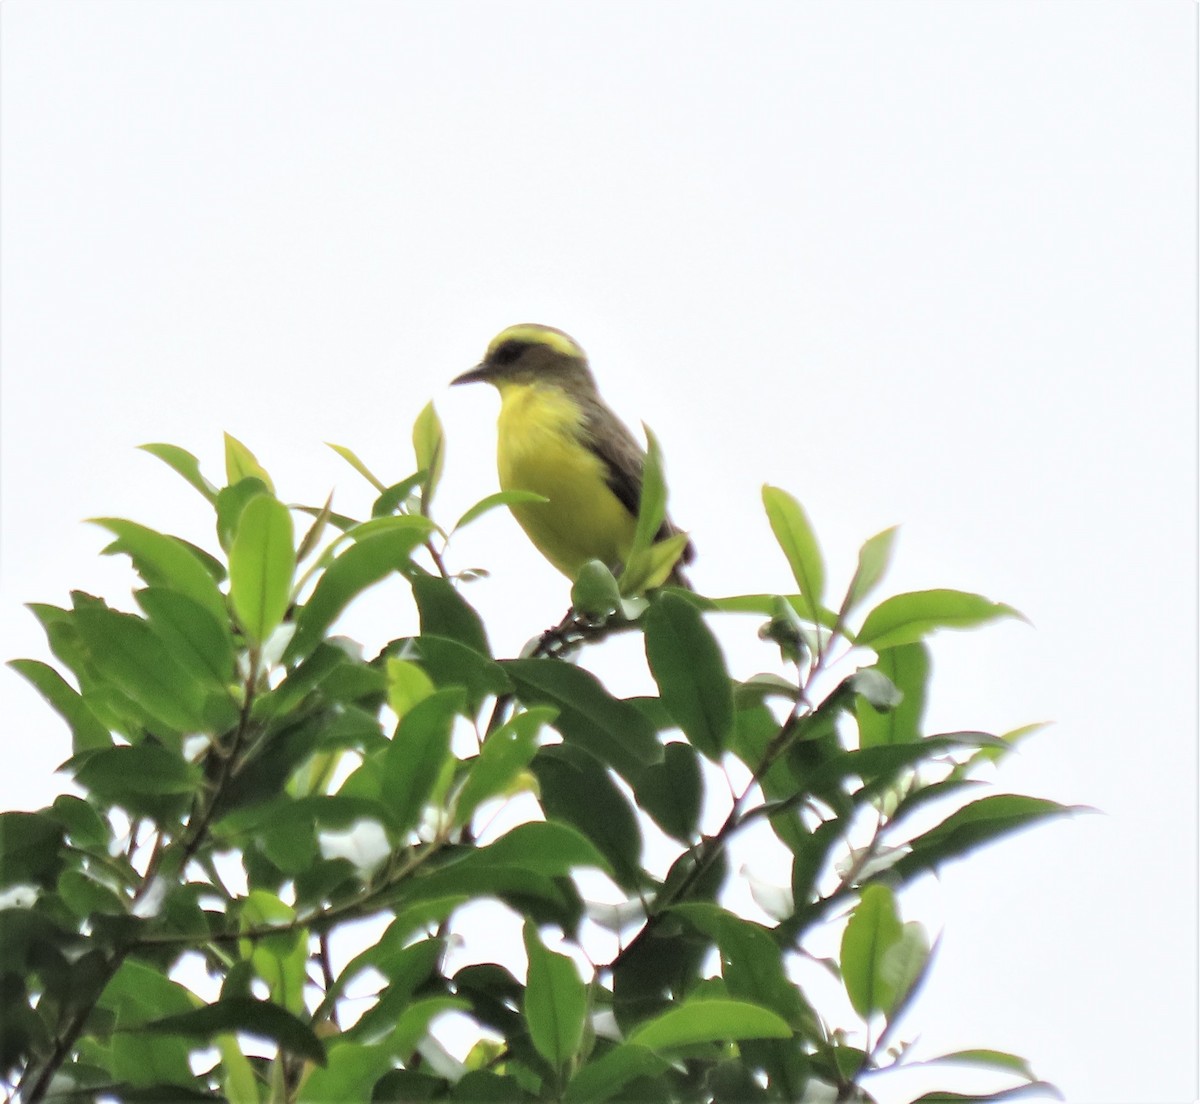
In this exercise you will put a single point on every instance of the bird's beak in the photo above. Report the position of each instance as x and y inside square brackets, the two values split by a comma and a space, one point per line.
[481, 373]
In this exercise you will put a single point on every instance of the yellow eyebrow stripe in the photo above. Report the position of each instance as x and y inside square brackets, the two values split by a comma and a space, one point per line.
[538, 335]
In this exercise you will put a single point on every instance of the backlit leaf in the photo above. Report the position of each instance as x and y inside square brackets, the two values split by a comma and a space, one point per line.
[907, 668]
[418, 750]
[709, 1021]
[165, 561]
[261, 564]
[241, 463]
[873, 929]
[905, 618]
[555, 1002]
[352, 459]
[86, 730]
[500, 498]
[506, 752]
[795, 535]
[873, 559]
[183, 462]
[429, 446]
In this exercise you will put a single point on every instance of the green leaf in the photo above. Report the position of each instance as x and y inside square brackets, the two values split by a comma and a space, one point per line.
[413, 1087]
[406, 970]
[349, 1076]
[445, 612]
[934, 791]
[30, 849]
[238, 1082]
[907, 668]
[652, 506]
[349, 456]
[1036, 1088]
[413, 1023]
[1009, 740]
[672, 791]
[973, 825]
[137, 994]
[407, 685]
[85, 896]
[125, 650]
[302, 680]
[165, 561]
[159, 1067]
[611, 729]
[396, 496]
[183, 462]
[545, 897]
[231, 501]
[873, 930]
[418, 751]
[555, 1002]
[125, 774]
[543, 847]
[279, 960]
[879, 766]
[811, 852]
[653, 566]
[451, 663]
[688, 666]
[240, 463]
[500, 498]
[365, 562]
[904, 966]
[873, 560]
[258, 1018]
[905, 618]
[429, 446]
[261, 564]
[872, 686]
[312, 535]
[86, 730]
[604, 1077]
[506, 752]
[87, 829]
[577, 790]
[401, 961]
[202, 644]
[709, 1021]
[768, 606]
[795, 535]
[990, 1059]
[752, 962]
[652, 971]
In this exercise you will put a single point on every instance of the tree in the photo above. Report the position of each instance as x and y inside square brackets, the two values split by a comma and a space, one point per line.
[253, 786]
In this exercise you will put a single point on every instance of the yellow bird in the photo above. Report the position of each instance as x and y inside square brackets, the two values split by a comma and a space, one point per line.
[557, 438]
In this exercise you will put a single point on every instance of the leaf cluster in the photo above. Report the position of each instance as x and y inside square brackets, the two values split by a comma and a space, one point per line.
[249, 785]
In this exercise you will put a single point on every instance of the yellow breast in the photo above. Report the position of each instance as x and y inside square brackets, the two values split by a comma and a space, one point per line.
[540, 450]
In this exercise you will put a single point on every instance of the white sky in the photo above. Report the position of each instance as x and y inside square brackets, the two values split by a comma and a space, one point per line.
[926, 263]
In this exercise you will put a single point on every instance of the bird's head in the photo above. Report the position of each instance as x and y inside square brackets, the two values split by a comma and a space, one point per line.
[532, 354]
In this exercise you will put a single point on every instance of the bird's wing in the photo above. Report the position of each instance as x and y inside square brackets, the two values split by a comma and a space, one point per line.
[624, 459]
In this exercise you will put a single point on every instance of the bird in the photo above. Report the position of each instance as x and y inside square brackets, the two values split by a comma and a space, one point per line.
[559, 439]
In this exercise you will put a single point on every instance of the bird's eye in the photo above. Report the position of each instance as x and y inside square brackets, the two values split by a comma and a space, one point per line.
[507, 352]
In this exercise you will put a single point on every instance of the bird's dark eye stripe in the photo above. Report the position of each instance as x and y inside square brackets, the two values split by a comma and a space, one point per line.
[507, 352]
